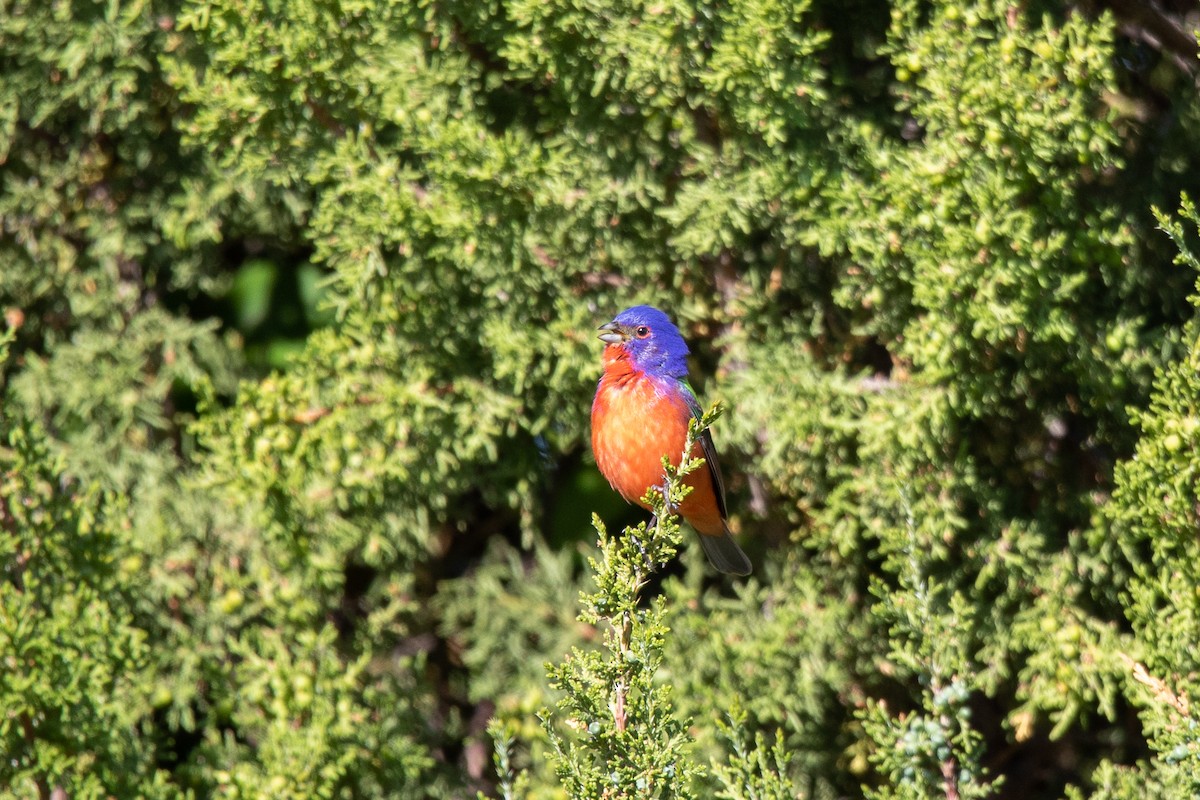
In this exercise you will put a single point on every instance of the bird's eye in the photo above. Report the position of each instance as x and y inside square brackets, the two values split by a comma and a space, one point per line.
[641, 332]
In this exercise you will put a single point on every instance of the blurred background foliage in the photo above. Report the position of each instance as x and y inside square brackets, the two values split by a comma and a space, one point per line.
[298, 349]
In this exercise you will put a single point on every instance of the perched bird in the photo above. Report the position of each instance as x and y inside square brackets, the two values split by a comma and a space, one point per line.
[641, 413]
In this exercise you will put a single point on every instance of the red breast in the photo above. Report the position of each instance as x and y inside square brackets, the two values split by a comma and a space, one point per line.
[636, 420]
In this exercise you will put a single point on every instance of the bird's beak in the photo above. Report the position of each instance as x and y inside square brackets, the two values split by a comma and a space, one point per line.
[612, 333]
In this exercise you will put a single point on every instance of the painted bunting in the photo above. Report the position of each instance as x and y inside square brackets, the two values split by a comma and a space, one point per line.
[641, 413]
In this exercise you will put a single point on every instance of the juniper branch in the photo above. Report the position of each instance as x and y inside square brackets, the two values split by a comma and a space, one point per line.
[623, 739]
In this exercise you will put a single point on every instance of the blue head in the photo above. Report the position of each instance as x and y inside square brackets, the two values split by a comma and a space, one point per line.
[650, 339]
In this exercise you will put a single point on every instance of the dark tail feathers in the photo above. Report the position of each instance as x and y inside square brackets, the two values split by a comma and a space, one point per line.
[725, 555]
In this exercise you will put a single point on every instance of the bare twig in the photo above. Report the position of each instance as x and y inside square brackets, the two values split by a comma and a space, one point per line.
[1148, 21]
[1162, 692]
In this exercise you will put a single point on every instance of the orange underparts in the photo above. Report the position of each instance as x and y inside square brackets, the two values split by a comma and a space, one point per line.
[636, 420]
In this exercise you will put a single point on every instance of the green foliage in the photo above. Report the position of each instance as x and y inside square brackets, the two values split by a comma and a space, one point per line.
[782, 658]
[757, 771]
[1154, 515]
[621, 737]
[297, 353]
[934, 752]
[990, 219]
[75, 662]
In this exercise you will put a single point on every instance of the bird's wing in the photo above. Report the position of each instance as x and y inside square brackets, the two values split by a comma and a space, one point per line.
[706, 447]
